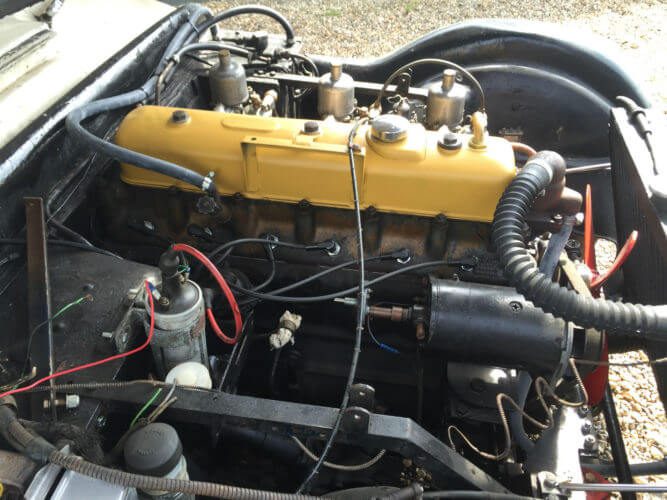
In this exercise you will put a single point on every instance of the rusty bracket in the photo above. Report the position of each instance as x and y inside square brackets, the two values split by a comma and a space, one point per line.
[39, 299]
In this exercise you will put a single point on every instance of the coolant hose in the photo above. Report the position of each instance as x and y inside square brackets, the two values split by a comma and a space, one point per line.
[252, 9]
[78, 132]
[185, 34]
[78, 115]
[150, 483]
[507, 236]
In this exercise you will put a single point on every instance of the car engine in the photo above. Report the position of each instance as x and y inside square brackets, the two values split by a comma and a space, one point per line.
[269, 272]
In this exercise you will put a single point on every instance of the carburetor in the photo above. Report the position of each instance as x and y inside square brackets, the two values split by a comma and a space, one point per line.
[335, 94]
[445, 104]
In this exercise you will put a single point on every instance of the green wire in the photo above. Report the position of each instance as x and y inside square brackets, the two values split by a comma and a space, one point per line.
[86, 298]
[145, 407]
[78, 301]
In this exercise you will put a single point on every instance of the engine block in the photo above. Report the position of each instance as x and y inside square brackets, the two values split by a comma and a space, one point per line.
[289, 160]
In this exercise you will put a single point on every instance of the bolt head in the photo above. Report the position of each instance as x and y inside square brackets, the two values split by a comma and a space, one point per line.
[304, 204]
[590, 442]
[206, 205]
[549, 480]
[311, 127]
[450, 141]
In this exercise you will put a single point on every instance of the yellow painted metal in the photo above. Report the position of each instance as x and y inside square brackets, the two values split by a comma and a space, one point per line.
[272, 159]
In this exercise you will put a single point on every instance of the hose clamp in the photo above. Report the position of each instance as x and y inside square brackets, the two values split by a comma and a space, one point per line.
[206, 184]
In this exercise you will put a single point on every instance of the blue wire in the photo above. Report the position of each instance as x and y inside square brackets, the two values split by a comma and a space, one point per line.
[381, 345]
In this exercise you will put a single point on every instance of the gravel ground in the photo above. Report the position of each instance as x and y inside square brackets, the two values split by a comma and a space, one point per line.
[637, 30]
[370, 28]
[640, 411]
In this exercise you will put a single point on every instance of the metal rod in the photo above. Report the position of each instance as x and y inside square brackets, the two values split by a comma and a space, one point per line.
[618, 452]
[589, 168]
[360, 88]
[39, 297]
[623, 488]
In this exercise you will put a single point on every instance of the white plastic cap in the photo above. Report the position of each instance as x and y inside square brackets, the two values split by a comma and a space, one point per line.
[191, 374]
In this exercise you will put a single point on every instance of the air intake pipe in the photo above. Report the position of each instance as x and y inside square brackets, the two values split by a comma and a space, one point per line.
[507, 236]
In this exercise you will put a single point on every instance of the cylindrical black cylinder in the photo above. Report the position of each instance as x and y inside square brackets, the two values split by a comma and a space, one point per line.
[495, 325]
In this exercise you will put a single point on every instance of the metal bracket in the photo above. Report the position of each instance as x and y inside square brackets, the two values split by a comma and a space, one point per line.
[355, 420]
[547, 484]
[396, 434]
[39, 298]
[363, 395]
[556, 455]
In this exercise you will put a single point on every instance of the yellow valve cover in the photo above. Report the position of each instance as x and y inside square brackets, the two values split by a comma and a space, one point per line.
[273, 159]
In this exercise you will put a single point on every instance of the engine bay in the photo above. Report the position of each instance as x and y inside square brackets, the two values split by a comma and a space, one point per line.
[268, 273]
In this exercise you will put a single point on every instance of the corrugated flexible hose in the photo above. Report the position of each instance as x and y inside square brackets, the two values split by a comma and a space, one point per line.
[121, 478]
[40, 450]
[649, 322]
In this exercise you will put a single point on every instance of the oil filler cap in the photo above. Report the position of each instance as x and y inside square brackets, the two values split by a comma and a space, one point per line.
[153, 450]
[390, 128]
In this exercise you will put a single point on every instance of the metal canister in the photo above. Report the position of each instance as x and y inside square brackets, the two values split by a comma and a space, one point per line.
[335, 93]
[445, 104]
[180, 325]
[227, 81]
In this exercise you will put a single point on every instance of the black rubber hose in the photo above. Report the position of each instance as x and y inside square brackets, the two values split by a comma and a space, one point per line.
[252, 9]
[78, 132]
[185, 34]
[33, 446]
[618, 452]
[150, 483]
[82, 441]
[645, 469]
[508, 239]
